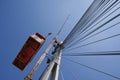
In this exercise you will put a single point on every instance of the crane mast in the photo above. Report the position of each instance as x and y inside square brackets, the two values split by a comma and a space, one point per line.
[30, 74]
[53, 66]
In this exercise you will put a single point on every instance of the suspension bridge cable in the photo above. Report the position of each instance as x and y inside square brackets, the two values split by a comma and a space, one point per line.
[97, 19]
[93, 68]
[61, 74]
[81, 20]
[96, 41]
[101, 15]
[87, 27]
[71, 36]
[94, 14]
[70, 73]
[75, 41]
[76, 27]
[103, 53]
[100, 32]
[100, 26]
[97, 33]
[92, 18]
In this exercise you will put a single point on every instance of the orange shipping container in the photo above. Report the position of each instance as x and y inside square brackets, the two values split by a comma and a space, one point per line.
[29, 50]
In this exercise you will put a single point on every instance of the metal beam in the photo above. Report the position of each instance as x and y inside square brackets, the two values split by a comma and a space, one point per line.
[56, 68]
[53, 67]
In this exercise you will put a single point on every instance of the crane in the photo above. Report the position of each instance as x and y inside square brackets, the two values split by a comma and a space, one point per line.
[54, 64]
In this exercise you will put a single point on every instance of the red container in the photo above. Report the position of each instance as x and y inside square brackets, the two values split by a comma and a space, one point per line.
[29, 50]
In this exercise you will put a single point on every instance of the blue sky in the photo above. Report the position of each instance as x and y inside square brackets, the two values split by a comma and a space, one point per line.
[21, 18]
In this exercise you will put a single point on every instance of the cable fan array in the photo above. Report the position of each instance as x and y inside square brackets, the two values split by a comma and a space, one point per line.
[101, 16]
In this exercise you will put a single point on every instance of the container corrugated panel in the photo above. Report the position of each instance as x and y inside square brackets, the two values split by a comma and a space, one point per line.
[29, 50]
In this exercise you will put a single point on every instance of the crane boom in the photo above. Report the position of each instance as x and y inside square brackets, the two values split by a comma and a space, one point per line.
[30, 74]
